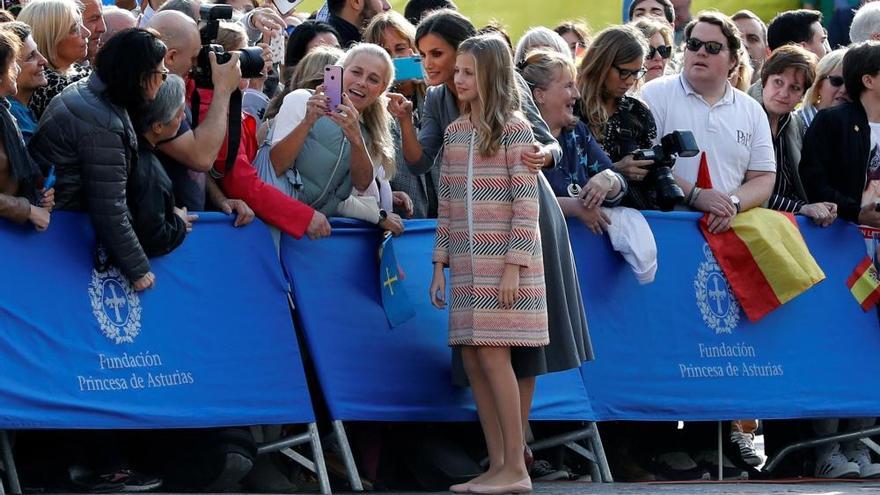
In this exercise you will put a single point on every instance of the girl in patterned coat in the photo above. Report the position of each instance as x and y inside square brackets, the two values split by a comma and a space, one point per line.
[487, 234]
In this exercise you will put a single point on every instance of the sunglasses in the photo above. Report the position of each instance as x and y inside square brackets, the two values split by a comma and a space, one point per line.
[626, 73]
[163, 72]
[665, 51]
[712, 47]
[836, 81]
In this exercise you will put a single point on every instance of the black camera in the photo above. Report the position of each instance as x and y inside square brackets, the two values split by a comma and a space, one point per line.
[250, 58]
[673, 145]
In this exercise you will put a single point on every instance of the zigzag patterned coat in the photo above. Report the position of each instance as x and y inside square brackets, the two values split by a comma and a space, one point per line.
[487, 217]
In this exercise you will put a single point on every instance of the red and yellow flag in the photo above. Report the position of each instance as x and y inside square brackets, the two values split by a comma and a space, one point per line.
[864, 285]
[763, 256]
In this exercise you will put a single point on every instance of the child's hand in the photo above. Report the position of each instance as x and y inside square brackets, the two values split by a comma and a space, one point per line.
[508, 290]
[437, 292]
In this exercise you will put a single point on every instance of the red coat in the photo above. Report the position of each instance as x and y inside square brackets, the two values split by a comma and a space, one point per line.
[270, 205]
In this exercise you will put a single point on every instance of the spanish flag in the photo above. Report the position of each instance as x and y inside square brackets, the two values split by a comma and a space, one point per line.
[763, 256]
[864, 285]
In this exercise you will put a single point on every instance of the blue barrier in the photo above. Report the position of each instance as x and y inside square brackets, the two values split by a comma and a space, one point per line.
[681, 349]
[211, 345]
[371, 372]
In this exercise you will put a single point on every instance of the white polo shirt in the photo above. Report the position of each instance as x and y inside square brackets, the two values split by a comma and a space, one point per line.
[734, 132]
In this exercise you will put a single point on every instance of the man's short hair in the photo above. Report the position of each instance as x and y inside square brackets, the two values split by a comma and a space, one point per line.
[790, 57]
[748, 14]
[862, 59]
[668, 9]
[866, 23]
[793, 26]
[728, 29]
[335, 6]
[415, 10]
[188, 7]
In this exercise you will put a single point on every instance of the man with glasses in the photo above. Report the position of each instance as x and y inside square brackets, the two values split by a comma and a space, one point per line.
[730, 127]
[753, 33]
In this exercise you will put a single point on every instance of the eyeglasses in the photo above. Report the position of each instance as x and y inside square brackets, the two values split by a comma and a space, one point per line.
[836, 81]
[626, 73]
[164, 73]
[665, 51]
[712, 47]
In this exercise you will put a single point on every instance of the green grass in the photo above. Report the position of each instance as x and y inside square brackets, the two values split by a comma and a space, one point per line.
[519, 15]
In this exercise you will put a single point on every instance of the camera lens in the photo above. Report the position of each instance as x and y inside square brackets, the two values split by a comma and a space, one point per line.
[251, 60]
[668, 192]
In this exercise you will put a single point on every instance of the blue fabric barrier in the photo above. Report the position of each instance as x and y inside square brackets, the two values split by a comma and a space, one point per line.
[211, 345]
[677, 349]
[371, 372]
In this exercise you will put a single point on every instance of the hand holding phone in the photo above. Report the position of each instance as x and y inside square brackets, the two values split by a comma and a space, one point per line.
[333, 86]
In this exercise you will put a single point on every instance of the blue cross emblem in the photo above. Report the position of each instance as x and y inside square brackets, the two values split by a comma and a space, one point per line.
[115, 302]
[717, 291]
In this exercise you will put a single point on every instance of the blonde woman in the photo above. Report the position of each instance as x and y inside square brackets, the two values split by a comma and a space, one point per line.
[828, 90]
[660, 47]
[340, 154]
[62, 38]
[483, 149]
[308, 74]
[620, 123]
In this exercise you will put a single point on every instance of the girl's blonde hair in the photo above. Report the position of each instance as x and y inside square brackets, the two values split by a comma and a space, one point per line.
[375, 117]
[541, 67]
[496, 88]
[616, 45]
[308, 74]
[50, 22]
[824, 68]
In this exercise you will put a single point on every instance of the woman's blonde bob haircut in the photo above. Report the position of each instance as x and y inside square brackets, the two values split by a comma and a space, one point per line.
[50, 22]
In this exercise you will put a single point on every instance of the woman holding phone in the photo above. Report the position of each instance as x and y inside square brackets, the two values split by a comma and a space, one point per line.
[437, 39]
[396, 35]
[341, 149]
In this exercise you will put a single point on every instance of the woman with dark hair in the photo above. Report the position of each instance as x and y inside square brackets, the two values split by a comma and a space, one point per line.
[304, 37]
[621, 124]
[87, 134]
[437, 39]
[21, 200]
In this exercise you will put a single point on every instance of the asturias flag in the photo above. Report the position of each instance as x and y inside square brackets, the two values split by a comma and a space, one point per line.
[395, 300]
[864, 285]
[763, 256]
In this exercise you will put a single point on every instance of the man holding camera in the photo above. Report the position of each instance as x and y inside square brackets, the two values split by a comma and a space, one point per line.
[191, 153]
[730, 127]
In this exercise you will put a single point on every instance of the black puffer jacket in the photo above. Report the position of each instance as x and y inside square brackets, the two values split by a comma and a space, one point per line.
[92, 144]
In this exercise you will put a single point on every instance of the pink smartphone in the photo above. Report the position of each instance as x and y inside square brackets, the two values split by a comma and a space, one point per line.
[333, 85]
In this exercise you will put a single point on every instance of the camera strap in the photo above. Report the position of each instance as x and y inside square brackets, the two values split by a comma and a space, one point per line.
[233, 140]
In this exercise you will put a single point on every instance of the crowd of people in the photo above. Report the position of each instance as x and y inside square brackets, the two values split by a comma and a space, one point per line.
[124, 112]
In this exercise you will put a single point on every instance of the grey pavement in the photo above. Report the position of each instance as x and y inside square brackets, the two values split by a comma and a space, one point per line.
[587, 488]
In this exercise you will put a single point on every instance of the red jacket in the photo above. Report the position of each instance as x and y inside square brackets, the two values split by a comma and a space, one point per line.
[271, 205]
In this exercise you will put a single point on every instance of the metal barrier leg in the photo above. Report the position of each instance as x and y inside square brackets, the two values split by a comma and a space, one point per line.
[843, 437]
[347, 457]
[9, 464]
[720, 454]
[599, 451]
[318, 454]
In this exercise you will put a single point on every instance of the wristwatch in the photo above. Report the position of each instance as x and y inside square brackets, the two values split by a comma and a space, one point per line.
[382, 216]
[735, 200]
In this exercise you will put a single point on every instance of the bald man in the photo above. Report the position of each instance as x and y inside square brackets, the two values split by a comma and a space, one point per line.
[191, 153]
[116, 20]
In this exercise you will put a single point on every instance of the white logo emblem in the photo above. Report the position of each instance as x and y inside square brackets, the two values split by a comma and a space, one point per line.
[115, 305]
[716, 301]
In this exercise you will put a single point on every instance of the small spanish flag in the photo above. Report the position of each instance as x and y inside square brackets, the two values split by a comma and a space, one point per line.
[763, 255]
[864, 285]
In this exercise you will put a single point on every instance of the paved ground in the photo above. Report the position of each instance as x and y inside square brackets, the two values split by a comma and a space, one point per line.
[583, 488]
